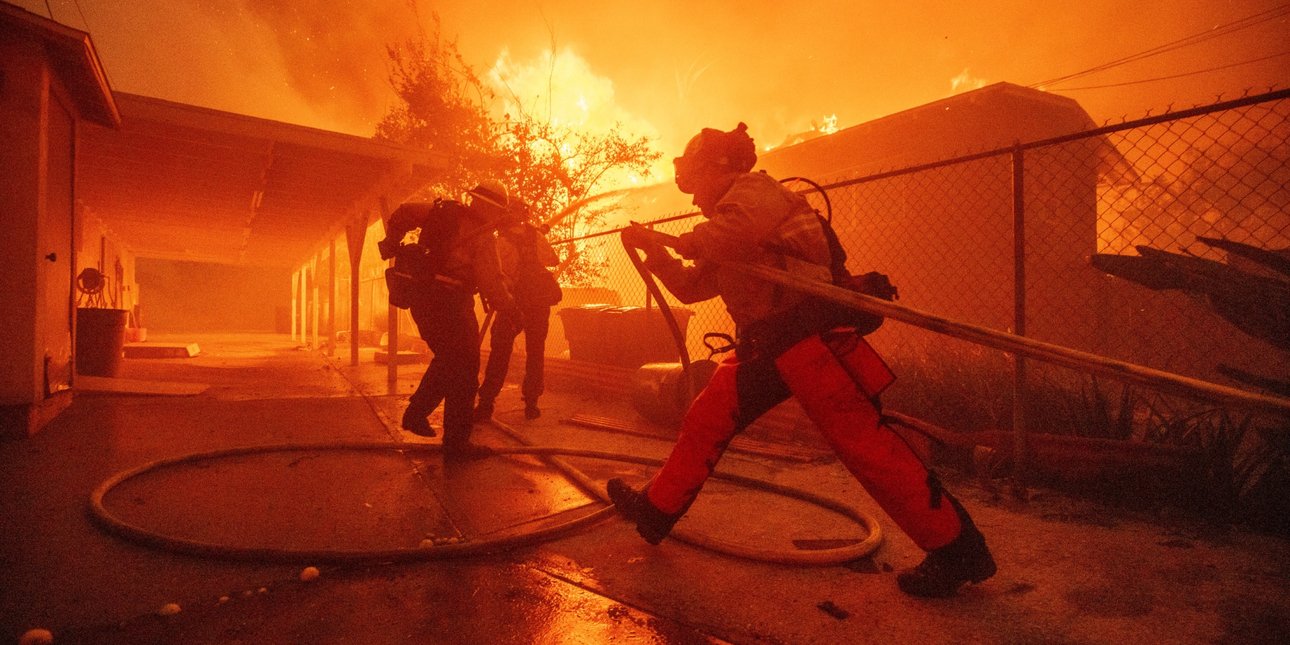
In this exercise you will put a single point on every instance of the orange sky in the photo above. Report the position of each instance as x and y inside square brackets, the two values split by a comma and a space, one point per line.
[668, 68]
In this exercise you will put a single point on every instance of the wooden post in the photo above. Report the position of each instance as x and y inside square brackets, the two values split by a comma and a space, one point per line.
[354, 234]
[331, 297]
[315, 310]
[392, 316]
[295, 301]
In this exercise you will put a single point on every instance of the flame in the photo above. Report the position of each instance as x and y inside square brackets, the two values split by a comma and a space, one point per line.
[966, 81]
[563, 88]
[829, 124]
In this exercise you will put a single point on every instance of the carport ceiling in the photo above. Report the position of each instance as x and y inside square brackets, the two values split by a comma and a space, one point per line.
[180, 182]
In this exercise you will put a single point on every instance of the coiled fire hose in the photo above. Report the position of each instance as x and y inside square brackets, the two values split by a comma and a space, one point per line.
[818, 557]
[153, 538]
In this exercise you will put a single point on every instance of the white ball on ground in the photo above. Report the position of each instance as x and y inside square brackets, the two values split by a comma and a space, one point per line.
[309, 574]
[169, 609]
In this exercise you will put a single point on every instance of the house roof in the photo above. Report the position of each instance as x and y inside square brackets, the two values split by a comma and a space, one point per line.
[181, 182]
[72, 55]
[992, 117]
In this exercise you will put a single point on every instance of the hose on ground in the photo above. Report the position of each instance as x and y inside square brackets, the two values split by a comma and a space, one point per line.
[121, 528]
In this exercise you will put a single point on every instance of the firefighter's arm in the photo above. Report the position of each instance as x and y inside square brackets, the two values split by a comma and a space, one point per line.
[689, 284]
[732, 234]
[647, 239]
[746, 216]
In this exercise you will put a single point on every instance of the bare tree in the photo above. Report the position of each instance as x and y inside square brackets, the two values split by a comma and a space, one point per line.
[553, 169]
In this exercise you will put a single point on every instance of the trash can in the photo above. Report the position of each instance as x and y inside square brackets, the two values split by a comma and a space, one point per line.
[584, 331]
[642, 335]
[100, 340]
[621, 336]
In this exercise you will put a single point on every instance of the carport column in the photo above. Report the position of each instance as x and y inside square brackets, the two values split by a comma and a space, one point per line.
[331, 297]
[295, 299]
[392, 313]
[354, 234]
[304, 305]
[317, 294]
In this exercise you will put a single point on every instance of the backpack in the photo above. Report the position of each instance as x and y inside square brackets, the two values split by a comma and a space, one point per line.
[418, 267]
[872, 283]
[534, 283]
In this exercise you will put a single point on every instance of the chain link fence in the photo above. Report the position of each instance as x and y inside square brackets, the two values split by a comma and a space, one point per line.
[1117, 241]
[1008, 239]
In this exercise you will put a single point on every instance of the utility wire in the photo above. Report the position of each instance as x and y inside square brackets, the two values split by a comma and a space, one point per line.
[1221, 30]
[1165, 78]
[83, 20]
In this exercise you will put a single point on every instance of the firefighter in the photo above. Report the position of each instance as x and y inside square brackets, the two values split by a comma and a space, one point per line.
[788, 344]
[463, 239]
[525, 255]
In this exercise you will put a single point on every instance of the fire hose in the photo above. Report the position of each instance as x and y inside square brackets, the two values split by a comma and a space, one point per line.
[148, 537]
[821, 557]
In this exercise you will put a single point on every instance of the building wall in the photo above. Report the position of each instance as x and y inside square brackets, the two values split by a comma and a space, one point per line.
[22, 97]
[35, 252]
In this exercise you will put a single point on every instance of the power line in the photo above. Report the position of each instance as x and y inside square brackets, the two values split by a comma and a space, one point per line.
[1221, 30]
[83, 20]
[1165, 78]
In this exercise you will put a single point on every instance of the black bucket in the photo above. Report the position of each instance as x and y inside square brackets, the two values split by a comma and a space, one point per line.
[662, 392]
[100, 340]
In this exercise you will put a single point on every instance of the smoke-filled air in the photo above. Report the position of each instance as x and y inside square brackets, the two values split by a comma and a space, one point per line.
[662, 70]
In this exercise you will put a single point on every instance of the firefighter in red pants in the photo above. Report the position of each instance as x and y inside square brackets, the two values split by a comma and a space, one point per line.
[788, 345]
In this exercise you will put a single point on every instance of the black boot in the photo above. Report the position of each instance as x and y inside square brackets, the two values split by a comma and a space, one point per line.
[531, 410]
[415, 422]
[651, 523]
[944, 570]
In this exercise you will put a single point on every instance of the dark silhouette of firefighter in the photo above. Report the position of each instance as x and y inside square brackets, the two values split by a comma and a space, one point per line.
[526, 256]
[788, 344]
[455, 257]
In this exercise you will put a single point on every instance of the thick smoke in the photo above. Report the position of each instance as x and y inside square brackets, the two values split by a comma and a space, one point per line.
[681, 66]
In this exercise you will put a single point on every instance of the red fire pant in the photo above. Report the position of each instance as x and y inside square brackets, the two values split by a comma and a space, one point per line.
[836, 376]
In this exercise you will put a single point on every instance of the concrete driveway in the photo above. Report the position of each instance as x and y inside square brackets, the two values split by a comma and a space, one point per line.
[1070, 571]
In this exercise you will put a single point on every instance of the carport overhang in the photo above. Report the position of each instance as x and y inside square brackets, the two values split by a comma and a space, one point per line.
[180, 182]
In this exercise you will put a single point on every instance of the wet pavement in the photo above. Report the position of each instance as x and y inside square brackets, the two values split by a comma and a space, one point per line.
[1071, 571]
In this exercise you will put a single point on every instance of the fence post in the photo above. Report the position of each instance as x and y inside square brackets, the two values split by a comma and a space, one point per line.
[1020, 448]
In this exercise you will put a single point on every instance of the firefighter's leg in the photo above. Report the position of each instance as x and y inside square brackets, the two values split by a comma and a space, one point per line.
[738, 393]
[429, 392]
[536, 325]
[460, 376]
[501, 339]
[828, 381]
